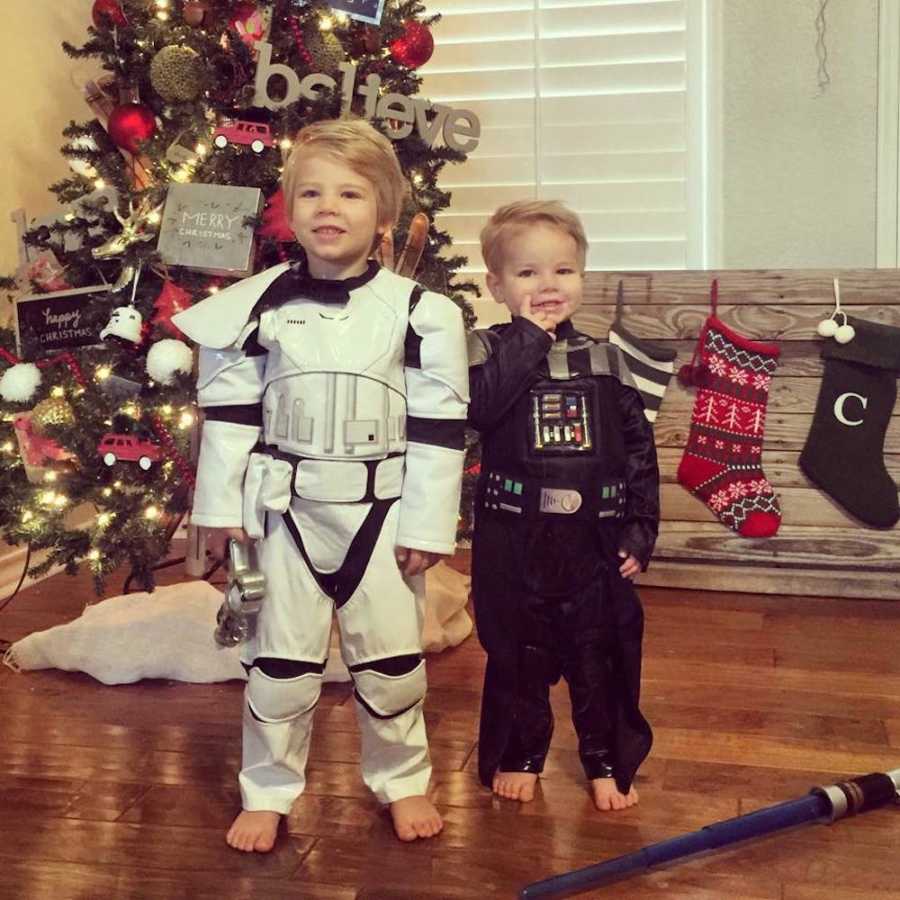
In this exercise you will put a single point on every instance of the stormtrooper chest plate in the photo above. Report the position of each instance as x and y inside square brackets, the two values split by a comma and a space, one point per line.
[363, 337]
[335, 385]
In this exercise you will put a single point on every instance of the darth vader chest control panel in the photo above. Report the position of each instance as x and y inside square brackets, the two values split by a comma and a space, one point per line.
[561, 421]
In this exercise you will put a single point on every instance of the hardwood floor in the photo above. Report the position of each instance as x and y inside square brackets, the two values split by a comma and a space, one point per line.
[126, 791]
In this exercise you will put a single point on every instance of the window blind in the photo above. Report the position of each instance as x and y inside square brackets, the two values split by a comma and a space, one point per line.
[584, 101]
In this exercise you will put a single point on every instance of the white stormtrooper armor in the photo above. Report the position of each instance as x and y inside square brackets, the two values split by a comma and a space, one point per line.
[334, 431]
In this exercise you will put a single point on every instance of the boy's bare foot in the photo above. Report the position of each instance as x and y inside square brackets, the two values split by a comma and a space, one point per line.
[254, 830]
[607, 796]
[515, 785]
[415, 817]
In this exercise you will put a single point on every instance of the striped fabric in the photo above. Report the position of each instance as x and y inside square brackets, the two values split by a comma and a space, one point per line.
[627, 359]
[651, 366]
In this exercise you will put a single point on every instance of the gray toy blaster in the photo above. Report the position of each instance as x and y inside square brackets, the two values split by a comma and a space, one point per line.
[236, 619]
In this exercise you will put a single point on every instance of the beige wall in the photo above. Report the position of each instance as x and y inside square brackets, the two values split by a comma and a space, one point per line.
[40, 97]
[798, 170]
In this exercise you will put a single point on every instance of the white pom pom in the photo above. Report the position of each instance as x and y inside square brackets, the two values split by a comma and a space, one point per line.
[827, 328]
[19, 383]
[845, 334]
[168, 356]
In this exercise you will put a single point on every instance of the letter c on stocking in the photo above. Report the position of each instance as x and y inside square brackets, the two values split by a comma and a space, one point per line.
[839, 408]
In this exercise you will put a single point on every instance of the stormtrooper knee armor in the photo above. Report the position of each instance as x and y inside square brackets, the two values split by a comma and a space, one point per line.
[280, 690]
[388, 687]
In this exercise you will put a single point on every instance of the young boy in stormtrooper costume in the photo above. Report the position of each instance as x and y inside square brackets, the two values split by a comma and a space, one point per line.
[566, 513]
[335, 400]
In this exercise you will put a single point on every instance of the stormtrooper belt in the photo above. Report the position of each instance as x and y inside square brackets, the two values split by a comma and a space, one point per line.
[274, 477]
[531, 497]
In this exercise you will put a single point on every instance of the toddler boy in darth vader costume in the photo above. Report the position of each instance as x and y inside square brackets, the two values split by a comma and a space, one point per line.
[566, 513]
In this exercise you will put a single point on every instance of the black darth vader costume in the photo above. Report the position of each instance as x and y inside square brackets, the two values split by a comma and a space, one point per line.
[568, 478]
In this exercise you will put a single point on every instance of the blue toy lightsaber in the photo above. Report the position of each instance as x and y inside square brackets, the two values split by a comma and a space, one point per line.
[822, 804]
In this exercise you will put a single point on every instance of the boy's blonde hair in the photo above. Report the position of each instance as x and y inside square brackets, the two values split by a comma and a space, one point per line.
[356, 144]
[521, 214]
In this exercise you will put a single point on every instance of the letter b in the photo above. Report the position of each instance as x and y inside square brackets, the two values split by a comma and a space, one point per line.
[265, 69]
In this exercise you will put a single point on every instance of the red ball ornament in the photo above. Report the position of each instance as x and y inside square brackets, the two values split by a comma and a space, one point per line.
[129, 124]
[414, 47]
[108, 14]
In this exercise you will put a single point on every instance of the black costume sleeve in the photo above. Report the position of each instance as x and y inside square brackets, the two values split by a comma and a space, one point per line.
[641, 524]
[495, 383]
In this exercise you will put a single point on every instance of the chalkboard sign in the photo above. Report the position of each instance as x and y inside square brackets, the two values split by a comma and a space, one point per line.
[48, 323]
[361, 10]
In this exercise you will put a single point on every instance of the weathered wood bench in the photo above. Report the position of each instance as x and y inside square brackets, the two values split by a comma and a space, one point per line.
[819, 549]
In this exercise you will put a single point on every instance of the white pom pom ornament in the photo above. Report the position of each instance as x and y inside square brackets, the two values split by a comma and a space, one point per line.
[845, 333]
[168, 356]
[827, 328]
[19, 382]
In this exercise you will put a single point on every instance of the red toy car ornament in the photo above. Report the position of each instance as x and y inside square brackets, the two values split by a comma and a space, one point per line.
[256, 135]
[115, 448]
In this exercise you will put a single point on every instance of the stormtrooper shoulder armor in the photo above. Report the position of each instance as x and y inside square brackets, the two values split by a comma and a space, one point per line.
[217, 321]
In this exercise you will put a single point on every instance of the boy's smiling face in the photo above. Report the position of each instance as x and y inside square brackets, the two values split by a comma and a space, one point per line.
[334, 216]
[539, 261]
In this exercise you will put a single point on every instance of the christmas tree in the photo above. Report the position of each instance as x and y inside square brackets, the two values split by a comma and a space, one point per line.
[96, 390]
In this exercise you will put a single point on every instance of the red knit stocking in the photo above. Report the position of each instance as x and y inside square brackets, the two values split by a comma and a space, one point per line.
[722, 461]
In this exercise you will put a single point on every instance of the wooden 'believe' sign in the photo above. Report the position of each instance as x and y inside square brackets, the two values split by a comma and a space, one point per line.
[460, 128]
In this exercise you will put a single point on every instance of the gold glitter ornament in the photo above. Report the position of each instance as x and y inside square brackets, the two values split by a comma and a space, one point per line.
[52, 411]
[325, 48]
[176, 73]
